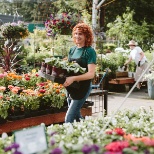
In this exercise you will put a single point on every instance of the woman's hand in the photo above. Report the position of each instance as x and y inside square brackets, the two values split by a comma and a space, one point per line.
[69, 81]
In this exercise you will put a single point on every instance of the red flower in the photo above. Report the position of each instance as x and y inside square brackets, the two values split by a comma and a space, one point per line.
[27, 78]
[118, 131]
[42, 84]
[117, 146]
[36, 75]
[42, 91]
[109, 132]
[26, 75]
[68, 22]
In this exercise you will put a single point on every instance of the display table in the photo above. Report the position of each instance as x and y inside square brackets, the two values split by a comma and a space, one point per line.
[122, 80]
[33, 121]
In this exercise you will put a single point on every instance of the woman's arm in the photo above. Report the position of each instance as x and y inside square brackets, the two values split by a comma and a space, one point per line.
[89, 75]
[128, 61]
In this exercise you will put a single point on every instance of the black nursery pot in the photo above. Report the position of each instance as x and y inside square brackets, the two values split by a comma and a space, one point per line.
[16, 114]
[2, 120]
[58, 72]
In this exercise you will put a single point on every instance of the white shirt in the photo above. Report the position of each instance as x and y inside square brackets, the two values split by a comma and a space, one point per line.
[135, 55]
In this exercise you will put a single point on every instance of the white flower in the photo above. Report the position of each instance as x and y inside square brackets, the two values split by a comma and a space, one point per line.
[4, 135]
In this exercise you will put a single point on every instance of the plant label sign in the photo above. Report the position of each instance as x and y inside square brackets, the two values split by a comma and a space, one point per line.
[31, 140]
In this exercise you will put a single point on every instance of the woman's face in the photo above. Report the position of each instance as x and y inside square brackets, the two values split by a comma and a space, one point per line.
[131, 47]
[79, 37]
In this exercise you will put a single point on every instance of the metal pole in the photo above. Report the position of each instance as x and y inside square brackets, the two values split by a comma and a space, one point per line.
[94, 20]
[105, 94]
[99, 5]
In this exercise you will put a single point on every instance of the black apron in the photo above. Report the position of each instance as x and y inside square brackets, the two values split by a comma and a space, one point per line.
[79, 93]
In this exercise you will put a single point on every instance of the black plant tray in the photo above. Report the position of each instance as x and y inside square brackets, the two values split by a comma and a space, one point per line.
[57, 79]
[87, 104]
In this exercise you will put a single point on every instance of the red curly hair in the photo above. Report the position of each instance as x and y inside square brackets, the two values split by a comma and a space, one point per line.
[87, 31]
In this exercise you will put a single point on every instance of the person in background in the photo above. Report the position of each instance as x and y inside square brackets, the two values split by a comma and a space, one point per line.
[140, 60]
[83, 54]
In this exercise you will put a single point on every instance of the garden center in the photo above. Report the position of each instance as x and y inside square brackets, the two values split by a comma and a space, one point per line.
[35, 41]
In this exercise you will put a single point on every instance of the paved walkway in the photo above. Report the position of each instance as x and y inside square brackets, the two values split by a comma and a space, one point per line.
[136, 100]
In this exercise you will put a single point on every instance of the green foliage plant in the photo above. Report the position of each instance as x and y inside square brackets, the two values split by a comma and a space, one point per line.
[124, 28]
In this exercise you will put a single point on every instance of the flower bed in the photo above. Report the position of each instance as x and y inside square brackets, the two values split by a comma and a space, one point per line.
[129, 132]
[28, 93]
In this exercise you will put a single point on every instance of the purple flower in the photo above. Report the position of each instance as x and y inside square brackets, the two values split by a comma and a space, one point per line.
[146, 152]
[9, 148]
[109, 152]
[95, 147]
[56, 151]
[52, 142]
[15, 145]
[53, 133]
[17, 152]
[86, 149]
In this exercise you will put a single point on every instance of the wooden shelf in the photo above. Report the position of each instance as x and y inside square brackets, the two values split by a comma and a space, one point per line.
[33, 121]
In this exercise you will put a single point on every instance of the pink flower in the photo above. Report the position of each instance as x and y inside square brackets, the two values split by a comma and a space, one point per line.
[2, 75]
[15, 90]
[1, 96]
[42, 91]
[2, 88]
[10, 87]
[117, 146]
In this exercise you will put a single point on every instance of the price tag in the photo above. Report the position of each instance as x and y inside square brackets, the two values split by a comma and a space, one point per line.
[31, 140]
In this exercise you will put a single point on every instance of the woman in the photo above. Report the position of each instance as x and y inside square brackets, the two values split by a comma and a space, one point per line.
[85, 56]
[140, 59]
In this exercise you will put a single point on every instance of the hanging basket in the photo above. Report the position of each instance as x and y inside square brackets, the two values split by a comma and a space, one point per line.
[66, 31]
